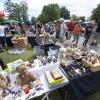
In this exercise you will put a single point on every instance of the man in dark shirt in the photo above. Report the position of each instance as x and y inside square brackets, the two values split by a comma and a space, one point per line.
[88, 31]
[96, 35]
[39, 26]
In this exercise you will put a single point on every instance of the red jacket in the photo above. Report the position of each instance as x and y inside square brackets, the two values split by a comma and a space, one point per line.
[70, 26]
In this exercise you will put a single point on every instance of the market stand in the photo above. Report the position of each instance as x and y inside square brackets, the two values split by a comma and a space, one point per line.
[41, 72]
[86, 81]
[83, 81]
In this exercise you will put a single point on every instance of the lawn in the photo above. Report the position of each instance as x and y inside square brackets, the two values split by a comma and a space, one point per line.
[28, 54]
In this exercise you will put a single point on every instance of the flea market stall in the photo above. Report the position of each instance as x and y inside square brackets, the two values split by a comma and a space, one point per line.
[61, 65]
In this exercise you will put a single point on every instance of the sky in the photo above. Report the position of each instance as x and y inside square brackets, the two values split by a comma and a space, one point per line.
[77, 7]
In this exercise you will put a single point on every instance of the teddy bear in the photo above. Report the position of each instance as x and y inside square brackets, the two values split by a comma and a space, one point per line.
[24, 77]
[3, 82]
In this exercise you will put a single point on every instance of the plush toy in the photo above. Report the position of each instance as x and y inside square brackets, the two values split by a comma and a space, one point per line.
[24, 77]
[69, 50]
[69, 53]
[21, 68]
[61, 53]
[3, 82]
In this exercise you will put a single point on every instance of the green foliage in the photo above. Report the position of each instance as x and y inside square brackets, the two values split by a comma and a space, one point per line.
[33, 19]
[50, 12]
[17, 11]
[64, 13]
[82, 18]
[8, 6]
[74, 17]
[24, 10]
[2, 19]
[96, 13]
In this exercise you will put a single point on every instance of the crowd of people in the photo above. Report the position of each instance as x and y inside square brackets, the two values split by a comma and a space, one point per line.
[60, 29]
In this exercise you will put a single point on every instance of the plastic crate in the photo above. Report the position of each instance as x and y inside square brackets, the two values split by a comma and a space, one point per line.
[37, 50]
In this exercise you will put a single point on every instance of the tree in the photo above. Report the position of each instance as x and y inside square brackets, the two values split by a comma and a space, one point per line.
[64, 13]
[74, 17]
[41, 18]
[2, 20]
[16, 11]
[82, 18]
[8, 5]
[96, 13]
[24, 10]
[33, 19]
[50, 12]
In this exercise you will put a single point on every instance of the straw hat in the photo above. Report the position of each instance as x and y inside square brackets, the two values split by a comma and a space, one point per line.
[61, 19]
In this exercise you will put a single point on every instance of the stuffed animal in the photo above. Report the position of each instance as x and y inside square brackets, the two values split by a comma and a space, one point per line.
[62, 53]
[3, 82]
[24, 77]
[69, 53]
[21, 68]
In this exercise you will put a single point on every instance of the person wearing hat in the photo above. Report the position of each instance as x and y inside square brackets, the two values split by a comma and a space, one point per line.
[63, 28]
[57, 28]
[76, 33]
[88, 33]
[96, 35]
[70, 26]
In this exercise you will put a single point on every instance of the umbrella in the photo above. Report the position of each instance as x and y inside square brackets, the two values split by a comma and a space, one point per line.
[12, 21]
[2, 14]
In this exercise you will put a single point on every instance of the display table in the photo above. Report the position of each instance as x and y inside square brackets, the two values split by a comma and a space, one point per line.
[82, 86]
[79, 87]
[41, 73]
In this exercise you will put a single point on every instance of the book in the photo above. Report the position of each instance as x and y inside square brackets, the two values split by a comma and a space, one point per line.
[56, 74]
[51, 80]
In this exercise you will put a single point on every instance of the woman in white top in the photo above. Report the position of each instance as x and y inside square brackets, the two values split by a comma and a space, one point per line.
[2, 38]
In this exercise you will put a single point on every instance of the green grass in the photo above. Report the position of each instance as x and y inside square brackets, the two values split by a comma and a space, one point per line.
[28, 54]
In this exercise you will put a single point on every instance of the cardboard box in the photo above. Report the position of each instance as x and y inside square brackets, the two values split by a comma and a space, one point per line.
[22, 42]
[93, 68]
